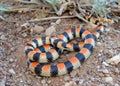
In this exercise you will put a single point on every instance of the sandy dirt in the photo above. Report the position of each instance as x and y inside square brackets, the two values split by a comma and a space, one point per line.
[94, 72]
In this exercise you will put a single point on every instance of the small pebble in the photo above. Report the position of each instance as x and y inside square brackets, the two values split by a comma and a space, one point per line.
[58, 21]
[50, 30]
[45, 85]
[99, 54]
[115, 46]
[114, 60]
[13, 49]
[1, 69]
[110, 53]
[106, 64]
[21, 81]
[98, 43]
[108, 79]
[49, 81]
[81, 81]
[116, 71]
[67, 78]
[109, 38]
[53, 24]
[24, 34]
[43, 81]
[11, 60]
[71, 83]
[38, 29]
[2, 82]
[1, 51]
[25, 25]
[61, 80]
[3, 37]
[105, 71]
[4, 72]
[116, 84]
[73, 73]
[12, 71]
[75, 79]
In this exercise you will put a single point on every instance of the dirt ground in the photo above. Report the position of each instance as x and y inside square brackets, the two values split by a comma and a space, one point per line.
[94, 72]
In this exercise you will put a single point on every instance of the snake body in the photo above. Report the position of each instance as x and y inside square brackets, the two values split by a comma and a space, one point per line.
[47, 49]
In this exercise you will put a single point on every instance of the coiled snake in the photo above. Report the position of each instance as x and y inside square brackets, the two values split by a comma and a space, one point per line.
[47, 49]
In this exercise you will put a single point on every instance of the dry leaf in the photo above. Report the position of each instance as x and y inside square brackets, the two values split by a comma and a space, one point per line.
[114, 60]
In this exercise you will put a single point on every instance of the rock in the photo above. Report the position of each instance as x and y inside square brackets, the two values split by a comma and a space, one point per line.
[71, 83]
[12, 49]
[11, 60]
[116, 84]
[50, 30]
[1, 69]
[114, 46]
[108, 37]
[38, 29]
[92, 79]
[3, 37]
[61, 80]
[110, 53]
[67, 78]
[25, 25]
[101, 74]
[21, 81]
[81, 81]
[114, 60]
[45, 85]
[76, 79]
[106, 64]
[43, 81]
[49, 81]
[58, 21]
[12, 71]
[61, 1]
[53, 24]
[108, 79]
[24, 34]
[99, 54]
[4, 72]
[1, 52]
[2, 83]
[99, 43]
[105, 71]
[73, 73]
[116, 70]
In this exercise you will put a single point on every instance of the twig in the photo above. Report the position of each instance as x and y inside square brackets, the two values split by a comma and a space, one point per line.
[27, 2]
[115, 10]
[62, 17]
[50, 18]
[78, 16]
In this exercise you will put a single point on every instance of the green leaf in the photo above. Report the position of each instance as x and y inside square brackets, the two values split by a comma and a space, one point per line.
[3, 7]
[53, 2]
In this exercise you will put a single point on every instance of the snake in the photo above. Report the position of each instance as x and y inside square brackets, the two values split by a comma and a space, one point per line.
[44, 50]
